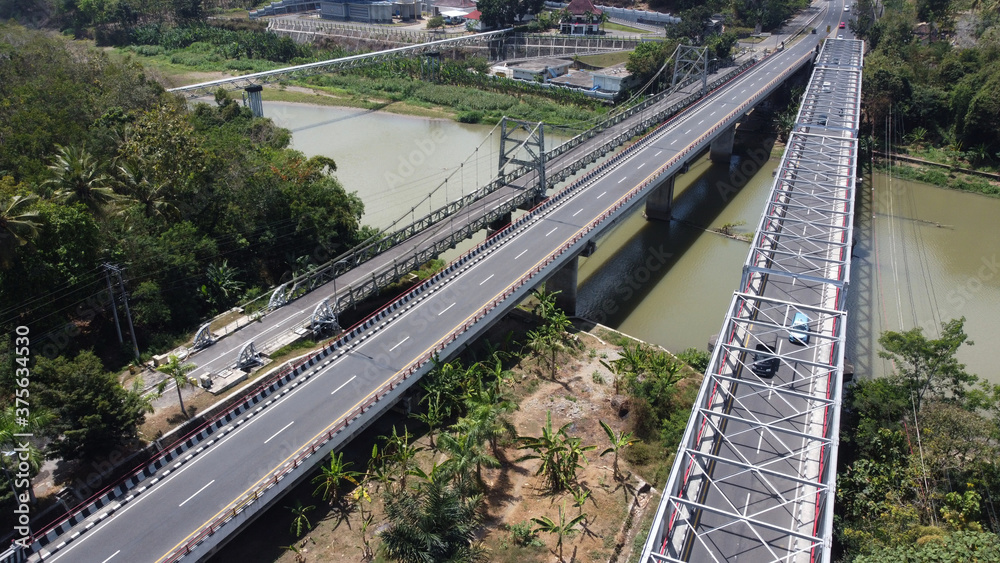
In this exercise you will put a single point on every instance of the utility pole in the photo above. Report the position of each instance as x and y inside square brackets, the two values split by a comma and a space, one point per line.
[114, 303]
[128, 313]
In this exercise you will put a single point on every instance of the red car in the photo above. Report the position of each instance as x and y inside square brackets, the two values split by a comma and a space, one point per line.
[841, 25]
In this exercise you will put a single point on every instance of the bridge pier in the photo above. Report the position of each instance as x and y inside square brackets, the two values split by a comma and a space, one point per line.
[252, 99]
[498, 223]
[564, 281]
[660, 202]
[722, 146]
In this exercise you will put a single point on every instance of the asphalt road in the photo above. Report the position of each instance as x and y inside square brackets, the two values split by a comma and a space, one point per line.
[176, 506]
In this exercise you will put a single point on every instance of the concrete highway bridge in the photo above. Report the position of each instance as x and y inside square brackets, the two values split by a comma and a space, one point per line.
[210, 483]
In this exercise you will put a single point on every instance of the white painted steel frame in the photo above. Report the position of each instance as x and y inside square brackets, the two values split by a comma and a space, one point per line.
[805, 235]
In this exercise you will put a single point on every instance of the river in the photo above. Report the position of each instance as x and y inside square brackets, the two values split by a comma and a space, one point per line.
[924, 254]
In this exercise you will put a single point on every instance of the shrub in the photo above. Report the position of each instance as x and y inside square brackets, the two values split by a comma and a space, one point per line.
[470, 116]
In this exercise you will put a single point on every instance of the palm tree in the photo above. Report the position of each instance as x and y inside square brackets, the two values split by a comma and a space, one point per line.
[618, 443]
[558, 452]
[18, 225]
[560, 529]
[465, 453]
[332, 475]
[77, 178]
[176, 372]
[487, 416]
[433, 523]
[400, 453]
[543, 342]
[152, 197]
[299, 518]
[433, 417]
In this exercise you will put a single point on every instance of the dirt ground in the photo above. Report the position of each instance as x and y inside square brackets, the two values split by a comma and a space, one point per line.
[581, 395]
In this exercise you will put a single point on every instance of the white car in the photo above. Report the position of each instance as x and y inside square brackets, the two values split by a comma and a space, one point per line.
[847, 8]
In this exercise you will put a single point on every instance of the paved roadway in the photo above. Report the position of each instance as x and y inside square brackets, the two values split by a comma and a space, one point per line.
[178, 504]
[223, 353]
[779, 432]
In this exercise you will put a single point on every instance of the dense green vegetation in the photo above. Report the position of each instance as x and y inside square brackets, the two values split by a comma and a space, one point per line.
[464, 87]
[923, 91]
[200, 207]
[919, 479]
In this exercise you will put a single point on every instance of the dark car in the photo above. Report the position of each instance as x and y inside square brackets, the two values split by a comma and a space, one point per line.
[764, 363]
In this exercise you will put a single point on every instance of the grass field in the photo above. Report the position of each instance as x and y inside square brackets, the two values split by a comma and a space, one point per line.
[605, 60]
[612, 26]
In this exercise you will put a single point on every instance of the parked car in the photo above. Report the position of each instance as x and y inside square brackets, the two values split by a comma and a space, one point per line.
[765, 364]
[799, 332]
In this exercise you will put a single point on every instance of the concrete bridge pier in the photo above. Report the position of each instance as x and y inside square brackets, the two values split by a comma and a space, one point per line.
[253, 100]
[564, 281]
[722, 146]
[498, 223]
[660, 202]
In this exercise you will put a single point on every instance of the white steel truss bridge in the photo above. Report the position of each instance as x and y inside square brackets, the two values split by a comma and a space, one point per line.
[755, 475]
[343, 63]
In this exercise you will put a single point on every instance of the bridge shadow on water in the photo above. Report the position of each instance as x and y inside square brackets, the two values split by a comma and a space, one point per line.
[623, 281]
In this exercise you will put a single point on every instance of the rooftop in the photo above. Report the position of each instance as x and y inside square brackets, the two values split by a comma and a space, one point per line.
[580, 7]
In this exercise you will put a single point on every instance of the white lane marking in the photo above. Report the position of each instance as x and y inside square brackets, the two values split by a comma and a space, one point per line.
[760, 440]
[194, 495]
[658, 153]
[487, 279]
[700, 122]
[640, 166]
[743, 90]
[552, 231]
[674, 141]
[521, 254]
[577, 213]
[112, 555]
[688, 131]
[400, 342]
[598, 197]
[343, 384]
[622, 180]
[280, 431]
[734, 98]
[453, 304]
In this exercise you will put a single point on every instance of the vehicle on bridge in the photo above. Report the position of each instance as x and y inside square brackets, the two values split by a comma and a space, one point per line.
[765, 363]
[799, 333]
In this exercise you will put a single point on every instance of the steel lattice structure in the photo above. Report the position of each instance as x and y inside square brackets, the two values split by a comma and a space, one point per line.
[344, 63]
[755, 474]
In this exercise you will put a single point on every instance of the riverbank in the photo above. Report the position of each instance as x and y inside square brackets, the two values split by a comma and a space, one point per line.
[938, 174]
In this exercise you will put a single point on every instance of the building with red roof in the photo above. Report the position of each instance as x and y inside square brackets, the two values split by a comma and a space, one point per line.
[583, 18]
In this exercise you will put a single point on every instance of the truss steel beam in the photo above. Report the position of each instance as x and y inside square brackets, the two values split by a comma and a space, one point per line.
[755, 474]
[203, 338]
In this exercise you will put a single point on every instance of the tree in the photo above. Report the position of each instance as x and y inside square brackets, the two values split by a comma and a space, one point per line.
[434, 415]
[155, 199]
[559, 453]
[332, 475]
[465, 453]
[929, 366]
[18, 225]
[560, 529]
[76, 177]
[95, 415]
[12, 422]
[619, 442]
[433, 523]
[176, 373]
[957, 547]
[300, 518]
